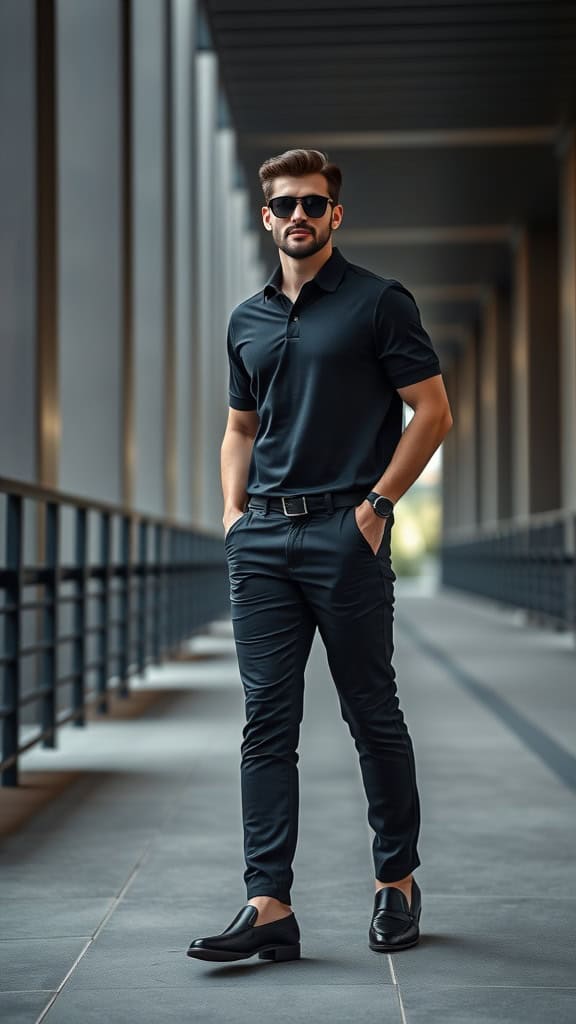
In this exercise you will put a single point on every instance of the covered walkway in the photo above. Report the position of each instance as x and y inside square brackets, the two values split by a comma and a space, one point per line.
[131, 135]
[105, 886]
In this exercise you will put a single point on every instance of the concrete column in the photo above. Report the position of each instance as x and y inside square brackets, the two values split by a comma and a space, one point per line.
[237, 200]
[466, 406]
[22, 390]
[253, 266]
[228, 153]
[449, 448]
[208, 488]
[567, 272]
[89, 87]
[184, 55]
[150, 239]
[228, 242]
[246, 227]
[494, 411]
[534, 375]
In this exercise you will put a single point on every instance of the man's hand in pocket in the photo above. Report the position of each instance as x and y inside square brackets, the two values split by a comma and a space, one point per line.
[369, 524]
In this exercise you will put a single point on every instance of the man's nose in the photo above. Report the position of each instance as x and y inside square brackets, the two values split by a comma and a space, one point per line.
[298, 213]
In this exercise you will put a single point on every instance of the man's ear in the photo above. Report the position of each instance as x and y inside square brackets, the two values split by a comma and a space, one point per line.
[336, 226]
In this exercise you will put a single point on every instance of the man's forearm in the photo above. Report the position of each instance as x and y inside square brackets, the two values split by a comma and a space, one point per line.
[423, 435]
[235, 455]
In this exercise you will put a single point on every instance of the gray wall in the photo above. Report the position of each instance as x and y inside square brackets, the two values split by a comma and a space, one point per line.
[149, 253]
[17, 241]
[89, 203]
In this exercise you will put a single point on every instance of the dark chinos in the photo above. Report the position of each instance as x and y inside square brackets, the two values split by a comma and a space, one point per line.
[292, 570]
[287, 576]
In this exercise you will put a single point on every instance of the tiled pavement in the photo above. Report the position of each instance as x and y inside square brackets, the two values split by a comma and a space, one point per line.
[102, 890]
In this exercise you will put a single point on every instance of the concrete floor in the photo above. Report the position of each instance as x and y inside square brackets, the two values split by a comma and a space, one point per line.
[102, 890]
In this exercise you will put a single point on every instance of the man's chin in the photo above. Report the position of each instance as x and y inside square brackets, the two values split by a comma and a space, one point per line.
[299, 250]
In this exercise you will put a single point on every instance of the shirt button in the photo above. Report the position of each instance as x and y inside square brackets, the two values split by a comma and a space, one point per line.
[296, 318]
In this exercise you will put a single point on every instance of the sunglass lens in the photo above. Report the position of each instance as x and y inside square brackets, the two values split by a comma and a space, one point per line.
[315, 206]
[283, 206]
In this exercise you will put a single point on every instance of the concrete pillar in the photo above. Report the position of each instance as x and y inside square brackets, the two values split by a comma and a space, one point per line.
[567, 273]
[238, 204]
[229, 252]
[466, 406]
[253, 265]
[233, 240]
[184, 75]
[89, 86]
[449, 449]
[208, 488]
[494, 411]
[22, 389]
[150, 240]
[534, 375]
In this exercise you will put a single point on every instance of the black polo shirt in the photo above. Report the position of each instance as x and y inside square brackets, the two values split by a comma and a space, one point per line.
[322, 374]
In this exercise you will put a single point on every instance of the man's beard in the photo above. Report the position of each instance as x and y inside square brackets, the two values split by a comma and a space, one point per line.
[300, 250]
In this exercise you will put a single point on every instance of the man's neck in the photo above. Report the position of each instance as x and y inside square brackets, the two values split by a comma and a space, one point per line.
[295, 273]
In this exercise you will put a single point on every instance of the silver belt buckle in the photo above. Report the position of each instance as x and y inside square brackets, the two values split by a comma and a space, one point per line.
[287, 513]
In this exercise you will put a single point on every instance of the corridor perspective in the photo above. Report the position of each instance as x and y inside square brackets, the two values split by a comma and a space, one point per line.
[132, 227]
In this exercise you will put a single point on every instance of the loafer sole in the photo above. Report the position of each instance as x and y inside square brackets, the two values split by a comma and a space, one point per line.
[270, 952]
[395, 947]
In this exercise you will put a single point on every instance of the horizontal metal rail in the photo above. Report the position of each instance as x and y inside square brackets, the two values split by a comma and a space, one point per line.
[528, 564]
[116, 591]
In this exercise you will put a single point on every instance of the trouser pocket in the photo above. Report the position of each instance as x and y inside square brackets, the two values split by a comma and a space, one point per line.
[385, 536]
[237, 522]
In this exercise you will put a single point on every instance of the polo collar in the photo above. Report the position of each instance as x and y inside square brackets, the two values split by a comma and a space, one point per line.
[328, 277]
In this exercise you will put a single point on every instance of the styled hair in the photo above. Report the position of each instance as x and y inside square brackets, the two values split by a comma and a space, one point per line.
[295, 163]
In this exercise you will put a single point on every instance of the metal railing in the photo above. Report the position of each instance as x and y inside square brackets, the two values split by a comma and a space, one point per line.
[115, 591]
[529, 564]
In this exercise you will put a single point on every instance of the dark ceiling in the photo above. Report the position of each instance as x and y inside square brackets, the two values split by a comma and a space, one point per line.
[444, 117]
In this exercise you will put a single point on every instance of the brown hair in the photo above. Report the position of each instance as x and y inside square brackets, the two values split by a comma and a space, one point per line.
[295, 163]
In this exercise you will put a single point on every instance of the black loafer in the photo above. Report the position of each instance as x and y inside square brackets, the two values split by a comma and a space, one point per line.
[279, 940]
[394, 923]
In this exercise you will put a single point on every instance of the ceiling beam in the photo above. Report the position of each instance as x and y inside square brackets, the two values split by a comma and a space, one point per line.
[536, 135]
[444, 234]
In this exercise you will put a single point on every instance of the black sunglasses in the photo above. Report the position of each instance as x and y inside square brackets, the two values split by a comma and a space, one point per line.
[313, 206]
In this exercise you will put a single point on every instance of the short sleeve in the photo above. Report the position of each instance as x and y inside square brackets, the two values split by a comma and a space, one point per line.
[403, 347]
[240, 396]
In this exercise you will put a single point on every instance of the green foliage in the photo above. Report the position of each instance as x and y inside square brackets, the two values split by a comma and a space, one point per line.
[416, 530]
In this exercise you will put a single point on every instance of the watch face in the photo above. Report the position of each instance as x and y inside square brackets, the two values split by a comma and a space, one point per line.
[383, 506]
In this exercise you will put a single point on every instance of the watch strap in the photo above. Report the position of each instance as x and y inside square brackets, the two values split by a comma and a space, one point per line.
[382, 505]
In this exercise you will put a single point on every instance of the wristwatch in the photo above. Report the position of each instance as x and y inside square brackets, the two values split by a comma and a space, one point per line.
[381, 505]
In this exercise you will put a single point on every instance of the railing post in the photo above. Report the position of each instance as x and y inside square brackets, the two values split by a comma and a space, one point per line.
[12, 613]
[125, 605]
[103, 614]
[157, 628]
[50, 617]
[189, 590]
[79, 618]
[181, 587]
[142, 629]
[171, 625]
[570, 564]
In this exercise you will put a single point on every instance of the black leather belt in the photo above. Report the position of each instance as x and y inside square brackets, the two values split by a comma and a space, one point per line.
[304, 504]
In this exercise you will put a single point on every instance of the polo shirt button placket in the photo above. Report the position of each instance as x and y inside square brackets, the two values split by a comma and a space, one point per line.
[293, 332]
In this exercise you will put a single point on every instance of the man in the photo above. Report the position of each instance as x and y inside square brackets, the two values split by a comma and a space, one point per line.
[313, 461]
